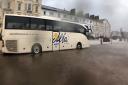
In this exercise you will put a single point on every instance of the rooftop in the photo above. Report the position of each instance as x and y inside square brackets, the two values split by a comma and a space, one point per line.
[55, 9]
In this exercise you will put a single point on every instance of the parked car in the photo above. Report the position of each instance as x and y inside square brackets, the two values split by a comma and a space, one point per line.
[105, 39]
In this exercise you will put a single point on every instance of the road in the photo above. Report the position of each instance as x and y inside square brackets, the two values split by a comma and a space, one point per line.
[97, 65]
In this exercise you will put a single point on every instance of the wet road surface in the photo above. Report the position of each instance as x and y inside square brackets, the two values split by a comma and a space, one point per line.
[97, 65]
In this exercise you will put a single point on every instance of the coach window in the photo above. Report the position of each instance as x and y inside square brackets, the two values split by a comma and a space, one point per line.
[49, 25]
[37, 24]
[57, 26]
[73, 27]
[42, 24]
[15, 22]
[66, 27]
[34, 24]
[82, 30]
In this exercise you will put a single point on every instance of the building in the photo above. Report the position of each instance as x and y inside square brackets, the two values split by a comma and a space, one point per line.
[58, 13]
[64, 14]
[21, 7]
[107, 28]
[99, 27]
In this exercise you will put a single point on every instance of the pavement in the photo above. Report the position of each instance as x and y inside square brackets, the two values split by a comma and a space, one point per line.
[105, 64]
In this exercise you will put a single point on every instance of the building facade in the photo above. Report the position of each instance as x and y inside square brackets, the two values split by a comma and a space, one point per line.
[107, 28]
[99, 27]
[58, 13]
[20, 7]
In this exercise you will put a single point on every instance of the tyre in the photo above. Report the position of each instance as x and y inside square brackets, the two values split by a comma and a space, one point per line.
[79, 46]
[36, 49]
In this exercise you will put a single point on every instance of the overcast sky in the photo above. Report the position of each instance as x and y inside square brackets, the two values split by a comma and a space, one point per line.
[116, 11]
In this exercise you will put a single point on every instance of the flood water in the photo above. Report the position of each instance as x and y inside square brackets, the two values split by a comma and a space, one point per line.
[98, 65]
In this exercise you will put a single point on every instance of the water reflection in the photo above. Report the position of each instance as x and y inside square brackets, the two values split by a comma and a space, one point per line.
[17, 69]
[50, 68]
[28, 69]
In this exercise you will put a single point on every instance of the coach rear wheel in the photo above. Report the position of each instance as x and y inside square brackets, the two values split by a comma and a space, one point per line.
[36, 49]
[79, 46]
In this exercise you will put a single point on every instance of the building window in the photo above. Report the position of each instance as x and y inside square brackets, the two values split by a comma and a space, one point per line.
[0, 4]
[51, 14]
[29, 8]
[19, 6]
[25, 6]
[9, 5]
[0, 25]
[36, 9]
[37, 1]
[59, 15]
[44, 12]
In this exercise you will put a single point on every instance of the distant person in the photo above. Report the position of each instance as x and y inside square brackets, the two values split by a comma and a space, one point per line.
[101, 40]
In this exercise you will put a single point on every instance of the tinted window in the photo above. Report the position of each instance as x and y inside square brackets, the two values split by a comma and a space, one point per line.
[67, 27]
[79, 29]
[70, 27]
[49, 25]
[58, 26]
[14, 22]
[37, 24]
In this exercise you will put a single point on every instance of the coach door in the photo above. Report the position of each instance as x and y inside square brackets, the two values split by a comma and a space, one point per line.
[56, 41]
